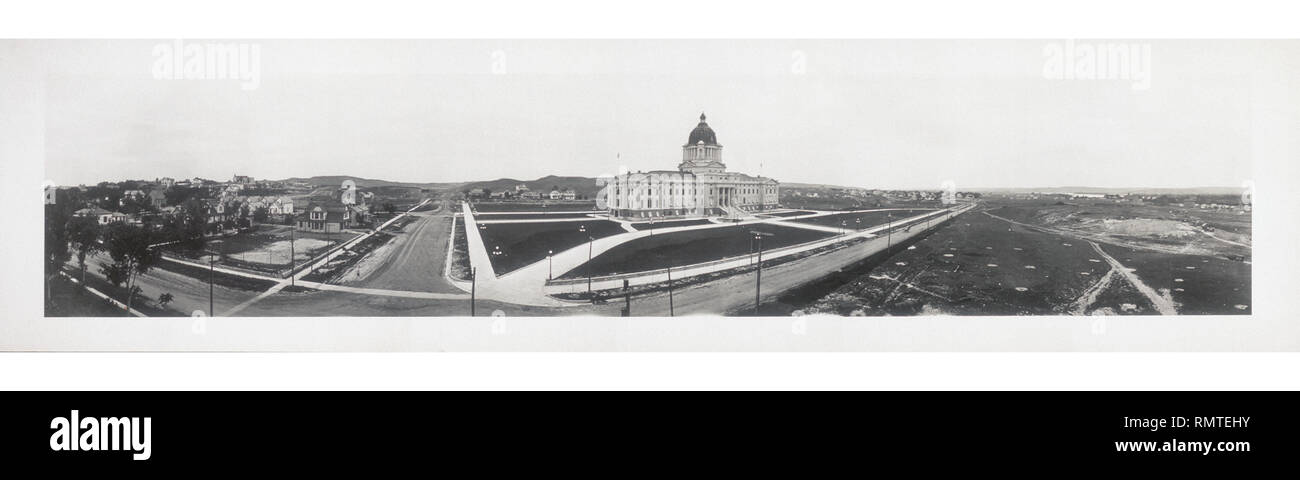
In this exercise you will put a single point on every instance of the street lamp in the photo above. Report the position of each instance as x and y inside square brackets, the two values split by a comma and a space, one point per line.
[550, 267]
[293, 262]
[212, 262]
[889, 228]
[758, 279]
[590, 241]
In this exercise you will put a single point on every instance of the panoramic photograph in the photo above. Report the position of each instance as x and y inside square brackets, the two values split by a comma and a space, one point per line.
[367, 178]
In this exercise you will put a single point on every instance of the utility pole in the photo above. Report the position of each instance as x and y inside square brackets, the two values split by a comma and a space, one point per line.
[212, 262]
[889, 229]
[293, 263]
[670, 289]
[627, 300]
[473, 285]
[758, 279]
[590, 241]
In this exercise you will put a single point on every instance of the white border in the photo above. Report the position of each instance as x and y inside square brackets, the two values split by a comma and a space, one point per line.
[750, 19]
[667, 19]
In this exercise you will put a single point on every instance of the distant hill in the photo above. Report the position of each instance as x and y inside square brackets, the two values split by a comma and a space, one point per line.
[328, 180]
[584, 186]
[1118, 191]
[813, 186]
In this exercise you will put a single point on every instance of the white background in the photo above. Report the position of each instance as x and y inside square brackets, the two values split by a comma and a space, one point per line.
[1272, 327]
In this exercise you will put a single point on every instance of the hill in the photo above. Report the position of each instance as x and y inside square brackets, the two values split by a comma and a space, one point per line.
[584, 186]
[334, 180]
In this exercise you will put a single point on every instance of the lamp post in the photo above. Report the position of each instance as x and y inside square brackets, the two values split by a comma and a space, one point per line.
[212, 262]
[550, 267]
[473, 285]
[889, 229]
[590, 240]
[293, 262]
[670, 289]
[758, 279]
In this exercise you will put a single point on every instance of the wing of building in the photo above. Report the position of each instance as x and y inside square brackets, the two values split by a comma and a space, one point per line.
[700, 187]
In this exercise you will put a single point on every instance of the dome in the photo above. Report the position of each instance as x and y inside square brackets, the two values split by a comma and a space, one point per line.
[702, 134]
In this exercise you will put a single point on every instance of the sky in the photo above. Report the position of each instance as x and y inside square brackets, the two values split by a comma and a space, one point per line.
[871, 113]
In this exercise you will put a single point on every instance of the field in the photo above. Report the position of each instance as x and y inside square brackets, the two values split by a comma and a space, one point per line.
[1170, 229]
[1056, 259]
[977, 265]
[528, 216]
[268, 247]
[524, 243]
[690, 247]
[460, 265]
[860, 221]
[533, 206]
[1197, 284]
[668, 224]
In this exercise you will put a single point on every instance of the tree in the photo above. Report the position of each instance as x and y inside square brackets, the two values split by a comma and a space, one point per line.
[165, 299]
[129, 248]
[191, 224]
[83, 234]
[390, 208]
[260, 214]
[56, 241]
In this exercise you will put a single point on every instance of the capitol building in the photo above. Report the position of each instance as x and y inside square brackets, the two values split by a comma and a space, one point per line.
[701, 186]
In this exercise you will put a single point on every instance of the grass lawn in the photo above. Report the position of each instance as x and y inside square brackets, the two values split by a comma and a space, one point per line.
[223, 279]
[70, 300]
[524, 243]
[533, 206]
[668, 224]
[689, 248]
[860, 221]
[460, 266]
[789, 214]
[527, 216]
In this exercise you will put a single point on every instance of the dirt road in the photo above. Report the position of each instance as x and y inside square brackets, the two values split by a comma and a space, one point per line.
[414, 261]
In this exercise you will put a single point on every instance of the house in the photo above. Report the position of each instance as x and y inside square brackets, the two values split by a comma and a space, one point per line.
[214, 213]
[498, 195]
[157, 198]
[359, 214]
[166, 182]
[521, 188]
[196, 182]
[531, 195]
[280, 206]
[104, 217]
[254, 202]
[569, 194]
[329, 217]
[556, 195]
[476, 193]
[241, 179]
